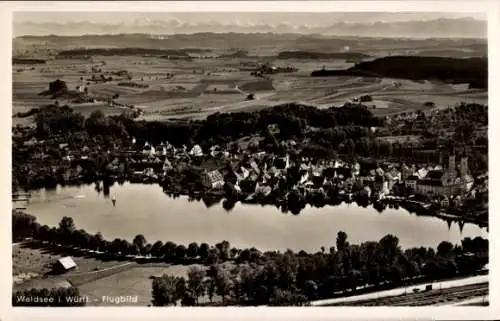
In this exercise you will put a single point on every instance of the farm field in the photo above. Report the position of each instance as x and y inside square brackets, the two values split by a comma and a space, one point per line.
[136, 281]
[133, 282]
[194, 89]
[94, 278]
[31, 263]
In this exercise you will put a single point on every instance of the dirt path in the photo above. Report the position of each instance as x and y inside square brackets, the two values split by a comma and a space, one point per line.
[99, 271]
[226, 108]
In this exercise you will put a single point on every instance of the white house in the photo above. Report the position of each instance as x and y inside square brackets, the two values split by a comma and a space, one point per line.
[64, 264]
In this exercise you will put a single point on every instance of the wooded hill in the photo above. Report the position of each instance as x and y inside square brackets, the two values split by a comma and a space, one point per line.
[473, 71]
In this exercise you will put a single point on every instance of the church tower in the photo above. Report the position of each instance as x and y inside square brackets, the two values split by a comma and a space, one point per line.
[464, 167]
[452, 170]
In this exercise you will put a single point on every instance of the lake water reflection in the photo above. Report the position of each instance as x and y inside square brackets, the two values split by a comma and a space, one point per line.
[148, 210]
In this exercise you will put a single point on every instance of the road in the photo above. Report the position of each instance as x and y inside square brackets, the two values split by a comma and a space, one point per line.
[400, 291]
[99, 271]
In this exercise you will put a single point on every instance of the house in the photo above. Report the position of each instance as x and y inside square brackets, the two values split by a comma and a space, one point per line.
[167, 165]
[63, 265]
[249, 185]
[196, 151]
[355, 169]
[411, 182]
[422, 173]
[304, 178]
[349, 183]
[445, 202]
[395, 174]
[316, 177]
[365, 192]
[242, 174]
[32, 142]
[366, 180]
[262, 190]
[161, 150]
[212, 179]
[255, 167]
[385, 188]
[282, 162]
[406, 172]
[215, 151]
[148, 149]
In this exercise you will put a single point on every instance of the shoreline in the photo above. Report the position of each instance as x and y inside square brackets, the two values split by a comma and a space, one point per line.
[282, 200]
[138, 261]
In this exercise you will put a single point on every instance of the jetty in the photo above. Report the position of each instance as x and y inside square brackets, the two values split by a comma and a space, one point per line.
[21, 197]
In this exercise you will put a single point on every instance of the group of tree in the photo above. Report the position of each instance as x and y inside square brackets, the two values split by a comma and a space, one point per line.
[55, 297]
[274, 277]
[66, 234]
[217, 128]
[347, 129]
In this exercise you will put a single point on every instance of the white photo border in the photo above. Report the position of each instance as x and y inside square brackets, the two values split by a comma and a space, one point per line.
[492, 8]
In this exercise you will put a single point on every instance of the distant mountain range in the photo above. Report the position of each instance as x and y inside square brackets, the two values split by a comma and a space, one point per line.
[437, 28]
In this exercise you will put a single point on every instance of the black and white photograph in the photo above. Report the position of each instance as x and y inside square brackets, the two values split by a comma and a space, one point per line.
[250, 159]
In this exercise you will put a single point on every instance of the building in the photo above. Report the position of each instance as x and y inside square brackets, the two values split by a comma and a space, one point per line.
[445, 182]
[212, 179]
[148, 150]
[63, 265]
[196, 151]
[411, 182]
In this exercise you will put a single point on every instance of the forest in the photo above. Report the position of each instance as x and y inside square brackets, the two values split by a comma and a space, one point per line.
[321, 55]
[122, 52]
[473, 71]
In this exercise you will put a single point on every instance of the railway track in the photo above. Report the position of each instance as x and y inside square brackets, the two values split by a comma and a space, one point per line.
[436, 296]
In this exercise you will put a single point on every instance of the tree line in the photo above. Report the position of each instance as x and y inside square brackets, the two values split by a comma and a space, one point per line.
[290, 279]
[274, 277]
[347, 129]
[54, 120]
[122, 52]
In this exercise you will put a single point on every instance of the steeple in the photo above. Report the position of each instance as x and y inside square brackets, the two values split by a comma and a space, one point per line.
[452, 167]
[464, 166]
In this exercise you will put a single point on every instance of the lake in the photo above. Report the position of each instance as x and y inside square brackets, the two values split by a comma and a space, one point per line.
[146, 209]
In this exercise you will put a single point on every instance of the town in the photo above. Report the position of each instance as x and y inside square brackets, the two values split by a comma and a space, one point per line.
[285, 176]
[334, 165]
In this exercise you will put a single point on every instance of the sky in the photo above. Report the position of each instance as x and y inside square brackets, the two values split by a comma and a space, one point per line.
[239, 18]
[406, 24]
